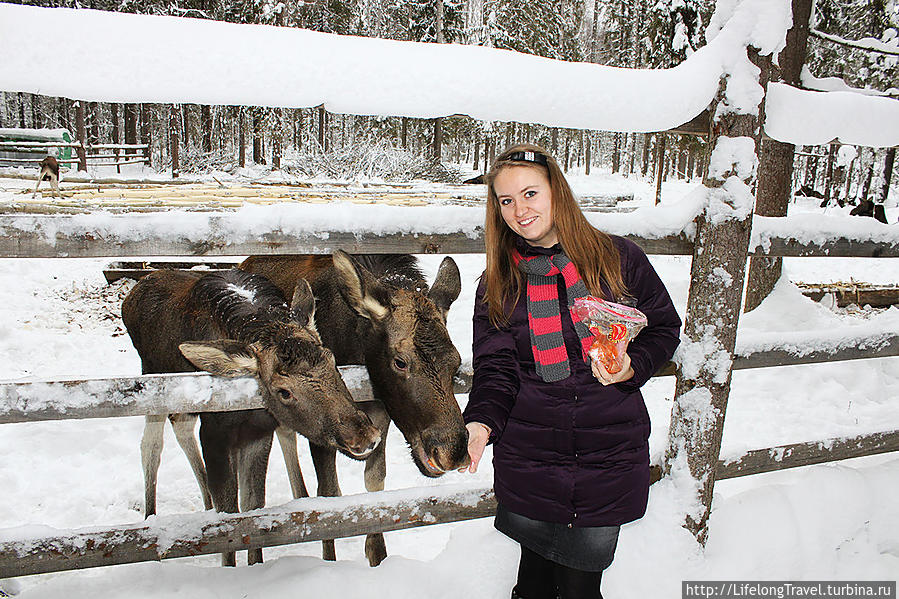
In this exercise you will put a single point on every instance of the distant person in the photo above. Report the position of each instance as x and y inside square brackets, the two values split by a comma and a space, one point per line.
[571, 453]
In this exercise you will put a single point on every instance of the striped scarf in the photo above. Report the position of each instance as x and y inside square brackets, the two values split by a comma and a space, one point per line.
[544, 318]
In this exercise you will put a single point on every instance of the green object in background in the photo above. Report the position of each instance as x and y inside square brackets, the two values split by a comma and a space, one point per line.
[15, 156]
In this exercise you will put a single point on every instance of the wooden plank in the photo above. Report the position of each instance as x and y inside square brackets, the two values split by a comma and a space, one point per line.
[302, 520]
[198, 392]
[805, 454]
[835, 248]
[143, 395]
[860, 294]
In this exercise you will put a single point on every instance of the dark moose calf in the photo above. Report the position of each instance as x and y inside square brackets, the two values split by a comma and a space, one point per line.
[238, 324]
[377, 310]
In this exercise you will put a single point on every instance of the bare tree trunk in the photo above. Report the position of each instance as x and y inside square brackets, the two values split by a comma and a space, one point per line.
[145, 129]
[644, 160]
[174, 120]
[828, 177]
[185, 128]
[616, 154]
[322, 124]
[82, 134]
[115, 133]
[35, 119]
[776, 163]
[93, 116]
[21, 98]
[554, 141]
[130, 123]
[849, 172]
[241, 138]
[588, 152]
[477, 151]
[258, 150]
[276, 139]
[206, 120]
[660, 165]
[888, 163]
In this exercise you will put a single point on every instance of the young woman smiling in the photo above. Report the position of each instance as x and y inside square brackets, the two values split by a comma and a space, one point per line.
[571, 453]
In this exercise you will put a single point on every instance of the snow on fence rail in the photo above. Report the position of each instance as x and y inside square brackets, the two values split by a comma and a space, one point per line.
[200, 392]
[22, 552]
[298, 229]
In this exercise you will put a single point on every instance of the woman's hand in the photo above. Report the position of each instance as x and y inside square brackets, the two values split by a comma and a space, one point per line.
[478, 434]
[605, 378]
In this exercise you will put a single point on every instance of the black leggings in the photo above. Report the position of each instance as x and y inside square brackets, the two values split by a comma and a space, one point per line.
[540, 578]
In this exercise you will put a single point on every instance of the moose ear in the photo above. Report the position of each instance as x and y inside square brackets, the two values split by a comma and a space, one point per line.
[446, 287]
[224, 357]
[302, 306]
[359, 287]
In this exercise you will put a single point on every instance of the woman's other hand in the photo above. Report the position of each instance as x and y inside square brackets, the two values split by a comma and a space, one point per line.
[478, 434]
[604, 377]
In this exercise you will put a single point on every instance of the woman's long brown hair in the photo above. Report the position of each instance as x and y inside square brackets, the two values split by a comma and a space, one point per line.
[592, 251]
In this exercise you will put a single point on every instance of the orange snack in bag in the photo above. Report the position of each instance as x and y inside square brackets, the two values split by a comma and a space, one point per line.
[613, 326]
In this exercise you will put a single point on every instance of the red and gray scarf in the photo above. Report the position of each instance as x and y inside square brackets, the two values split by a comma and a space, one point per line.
[544, 318]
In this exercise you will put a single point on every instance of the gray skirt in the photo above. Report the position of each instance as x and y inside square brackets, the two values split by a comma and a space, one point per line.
[589, 548]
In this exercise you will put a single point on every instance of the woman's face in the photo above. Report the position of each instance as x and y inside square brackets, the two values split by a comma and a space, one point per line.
[525, 201]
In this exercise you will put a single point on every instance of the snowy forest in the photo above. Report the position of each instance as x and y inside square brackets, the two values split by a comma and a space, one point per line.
[851, 44]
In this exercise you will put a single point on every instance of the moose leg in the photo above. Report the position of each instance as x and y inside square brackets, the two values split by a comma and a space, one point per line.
[150, 452]
[252, 467]
[221, 471]
[183, 425]
[375, 473]
[325, 461]
[288, 441]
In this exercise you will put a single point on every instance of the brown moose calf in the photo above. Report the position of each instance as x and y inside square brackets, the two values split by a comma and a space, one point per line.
[234, 323]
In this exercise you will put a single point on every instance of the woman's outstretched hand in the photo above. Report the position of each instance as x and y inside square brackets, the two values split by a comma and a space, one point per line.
[606, 378]
[478, 434]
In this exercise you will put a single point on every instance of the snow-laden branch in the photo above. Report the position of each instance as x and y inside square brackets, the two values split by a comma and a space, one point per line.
[869, 44]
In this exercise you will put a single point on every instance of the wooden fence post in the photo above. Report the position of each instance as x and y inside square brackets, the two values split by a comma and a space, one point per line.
[716, 290]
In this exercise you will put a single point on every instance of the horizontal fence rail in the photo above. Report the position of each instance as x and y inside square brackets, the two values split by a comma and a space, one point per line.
[795, 455]
[59, 236]
[201, 392]
[318, 518]
[308, 519]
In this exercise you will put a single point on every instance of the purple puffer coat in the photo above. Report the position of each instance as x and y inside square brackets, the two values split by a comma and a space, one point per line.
[571, 451]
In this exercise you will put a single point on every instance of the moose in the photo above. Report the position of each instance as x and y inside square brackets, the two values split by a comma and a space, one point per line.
[377, 310]
[235, 323]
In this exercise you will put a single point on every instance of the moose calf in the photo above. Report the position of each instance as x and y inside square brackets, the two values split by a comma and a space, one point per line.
[232, 324]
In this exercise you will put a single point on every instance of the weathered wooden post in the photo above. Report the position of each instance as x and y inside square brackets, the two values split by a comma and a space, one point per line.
[722, 241]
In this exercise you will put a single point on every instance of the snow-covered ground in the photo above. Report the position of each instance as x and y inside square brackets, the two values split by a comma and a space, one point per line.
[835, 521]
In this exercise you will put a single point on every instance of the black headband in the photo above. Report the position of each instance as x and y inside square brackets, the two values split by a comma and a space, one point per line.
[529, 157]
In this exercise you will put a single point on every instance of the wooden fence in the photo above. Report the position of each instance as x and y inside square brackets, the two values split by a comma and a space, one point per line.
[722, 233]
[116, 155]
[321, 518]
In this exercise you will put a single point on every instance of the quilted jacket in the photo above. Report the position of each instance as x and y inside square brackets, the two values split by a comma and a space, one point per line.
[571, 451]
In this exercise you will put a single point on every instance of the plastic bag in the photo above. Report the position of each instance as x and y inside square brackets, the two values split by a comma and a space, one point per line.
[613, 326]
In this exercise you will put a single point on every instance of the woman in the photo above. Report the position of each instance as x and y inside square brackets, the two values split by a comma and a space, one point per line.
[571, 456]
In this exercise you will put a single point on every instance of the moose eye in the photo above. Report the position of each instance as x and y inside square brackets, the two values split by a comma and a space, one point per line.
[284, 394]
[400, 364]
